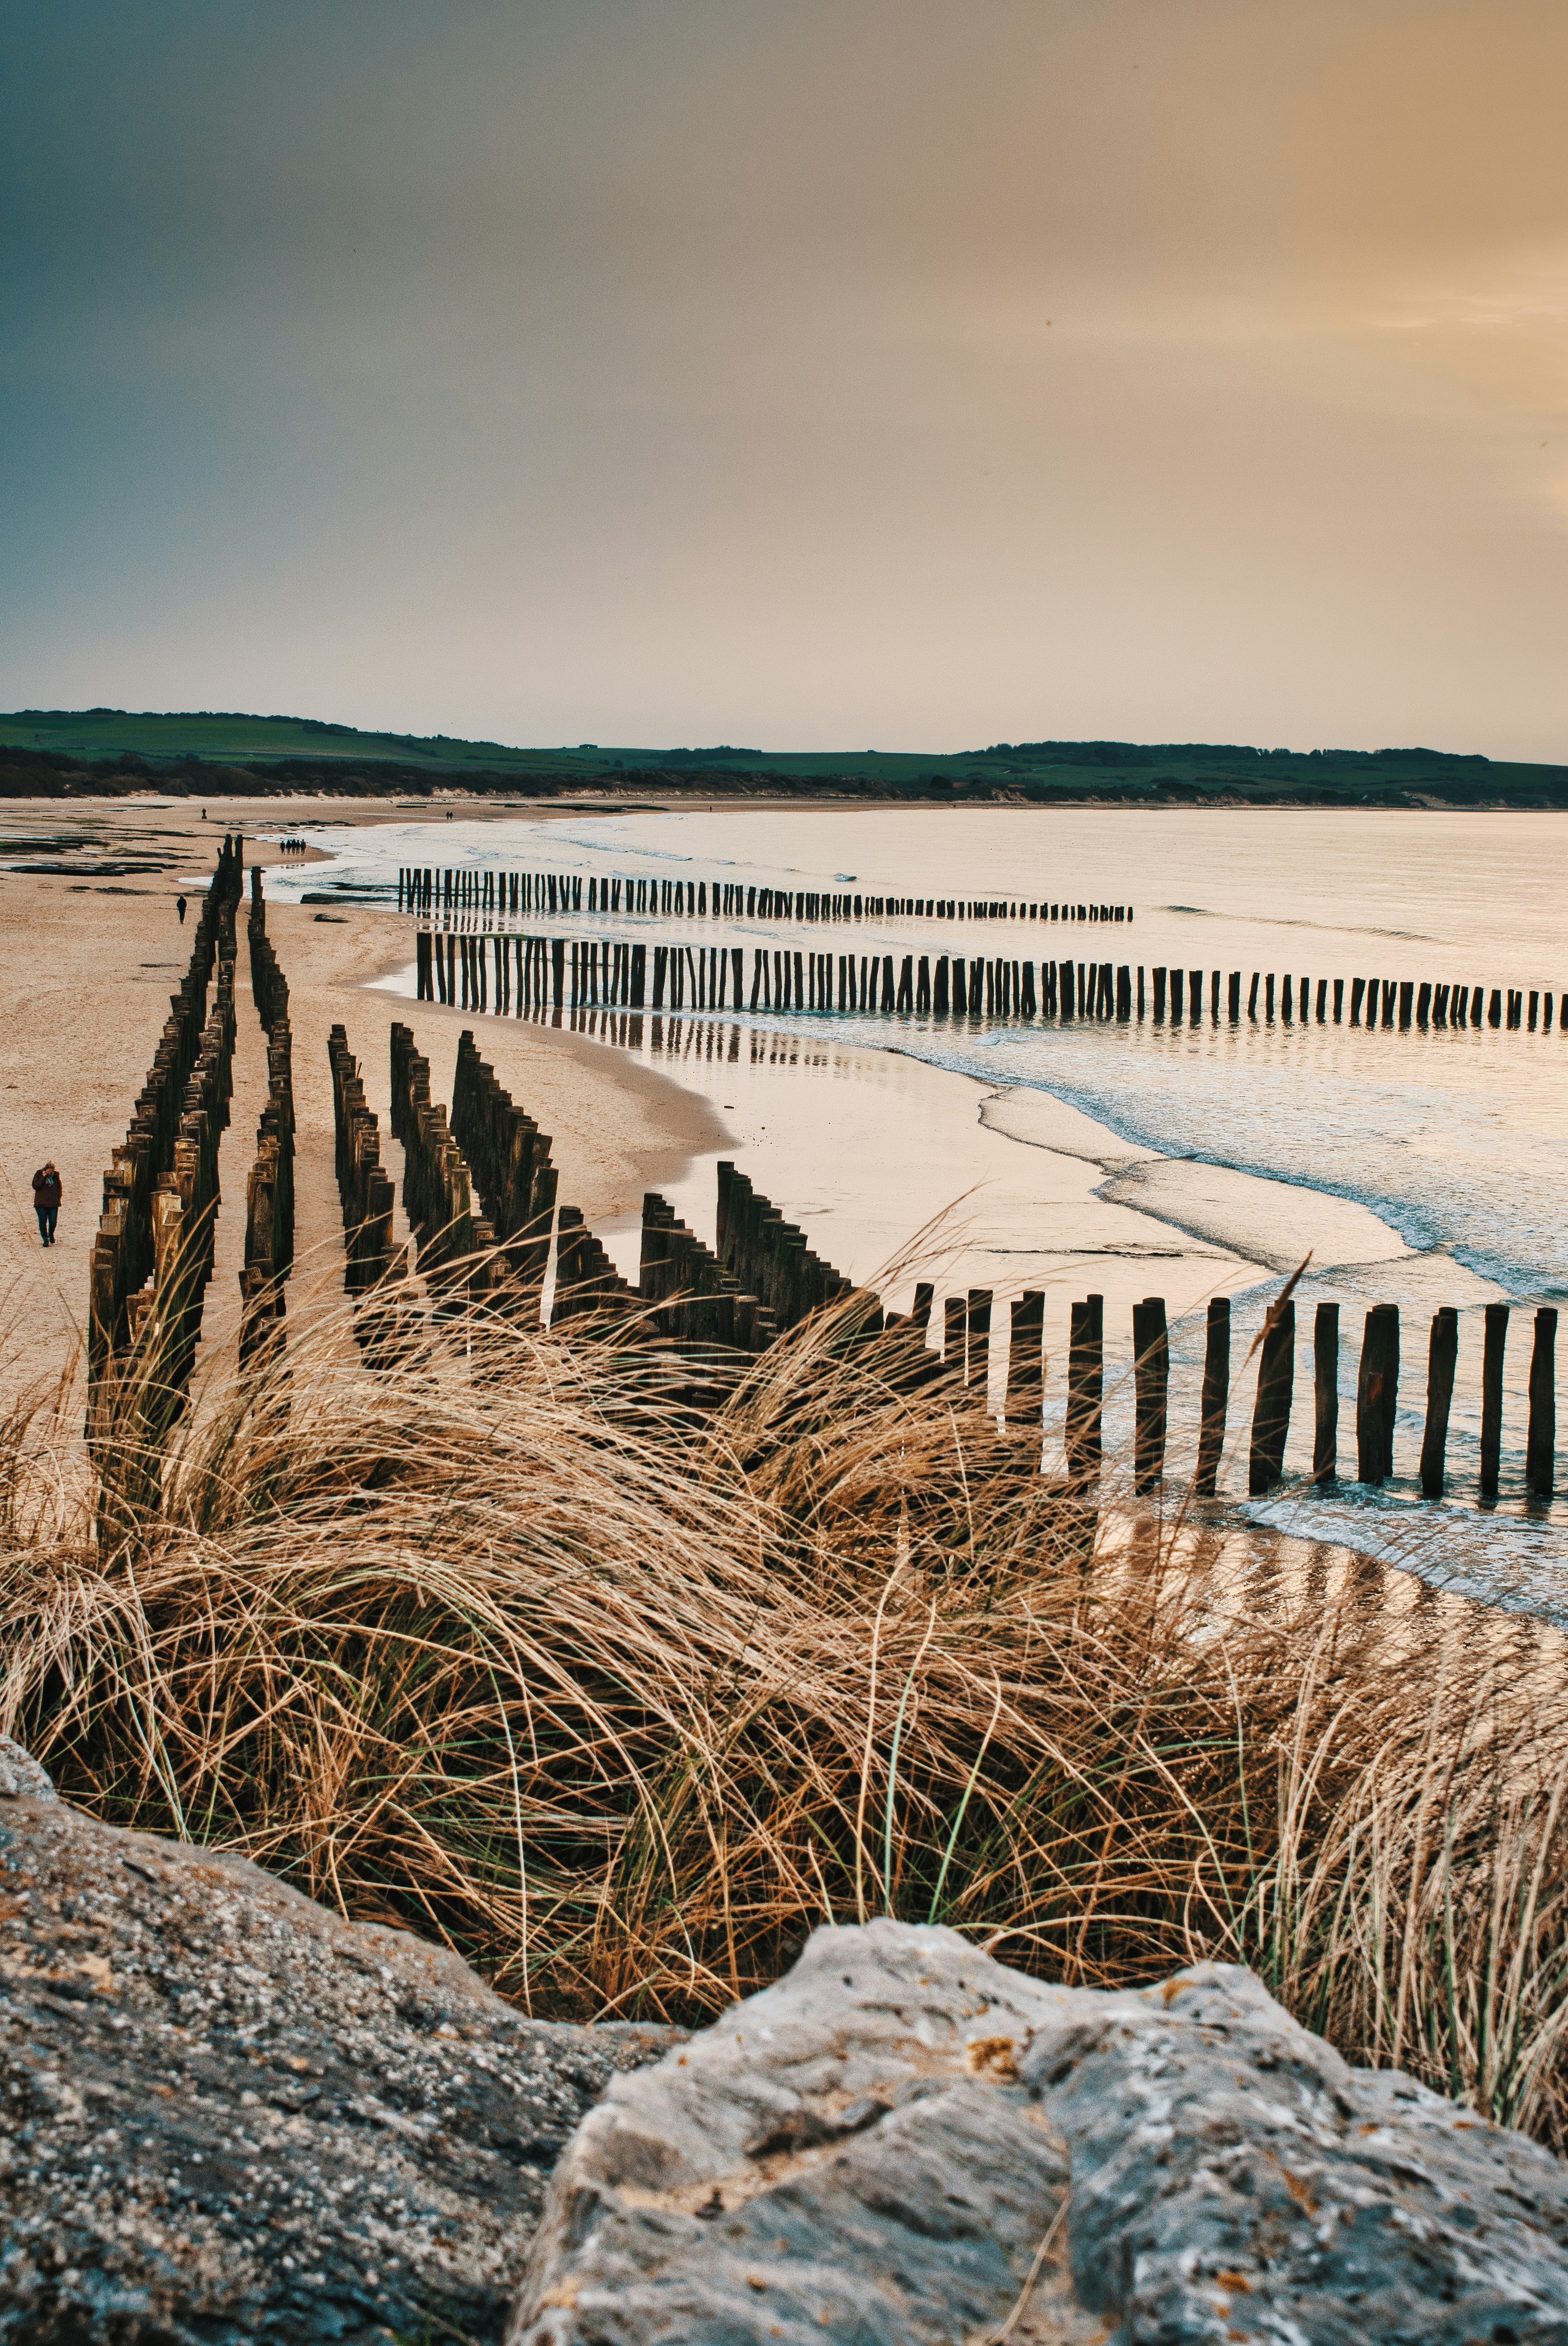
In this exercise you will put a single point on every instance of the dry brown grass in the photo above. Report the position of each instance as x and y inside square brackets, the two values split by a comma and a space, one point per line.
[621, 1703]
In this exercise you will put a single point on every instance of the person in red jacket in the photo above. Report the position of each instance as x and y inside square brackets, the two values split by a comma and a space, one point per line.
[47, 1200]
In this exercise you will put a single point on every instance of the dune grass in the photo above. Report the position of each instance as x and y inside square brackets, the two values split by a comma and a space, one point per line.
[509, 1647]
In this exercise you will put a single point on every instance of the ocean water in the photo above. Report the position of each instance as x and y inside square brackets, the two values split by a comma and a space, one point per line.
[1457, 1140]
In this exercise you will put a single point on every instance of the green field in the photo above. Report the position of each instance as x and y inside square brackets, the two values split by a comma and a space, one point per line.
[76, 747]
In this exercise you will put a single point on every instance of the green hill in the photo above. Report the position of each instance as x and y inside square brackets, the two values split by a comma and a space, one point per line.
[67, 753]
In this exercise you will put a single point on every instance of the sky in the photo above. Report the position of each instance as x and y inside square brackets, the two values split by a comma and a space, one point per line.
[791, 374]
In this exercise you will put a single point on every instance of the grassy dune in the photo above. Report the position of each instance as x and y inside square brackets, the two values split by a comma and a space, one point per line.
[505, 1647]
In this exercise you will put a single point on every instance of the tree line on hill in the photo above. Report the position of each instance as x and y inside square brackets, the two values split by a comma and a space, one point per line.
[1033, 773]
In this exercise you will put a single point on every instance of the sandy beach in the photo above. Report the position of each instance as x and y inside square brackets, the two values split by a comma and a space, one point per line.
[86, 968]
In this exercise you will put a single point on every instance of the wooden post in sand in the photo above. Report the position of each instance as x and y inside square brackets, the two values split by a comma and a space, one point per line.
[1085, 1387]
[1326, 1393]
[1026, 1358]
[1441, 1358]
[1151, 1381]
[954, 1328]
[979, 1371]
[1215, 1397]
[1539, 1458]
[1494, 1346]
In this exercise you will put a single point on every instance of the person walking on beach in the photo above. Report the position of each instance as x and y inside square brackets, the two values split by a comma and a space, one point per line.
[47, 1200]
[179, 908]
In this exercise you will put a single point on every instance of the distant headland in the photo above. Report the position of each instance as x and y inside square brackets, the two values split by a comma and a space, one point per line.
[82, 752]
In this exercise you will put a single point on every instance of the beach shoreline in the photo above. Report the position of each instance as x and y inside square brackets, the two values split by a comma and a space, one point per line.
[895, 1164]
[650, 1119]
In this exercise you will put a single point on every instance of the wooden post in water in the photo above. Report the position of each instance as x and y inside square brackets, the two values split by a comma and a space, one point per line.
[1326, 1393]
[1215, 1395]
[1441, 1358]
[1271, 1413]
[1026, 1358]
[1151, 1376]
[1540, 1452]
[1388, 1404]
[1085, 1387]
[1494, 1347]
[1376, 1393]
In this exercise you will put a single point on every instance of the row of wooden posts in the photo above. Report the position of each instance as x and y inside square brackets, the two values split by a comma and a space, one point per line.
[443, 895]
[762, 1277]
[152, 1253]
[270, 1189]
[1372, 1000]
[482, 973]
[966, 1354]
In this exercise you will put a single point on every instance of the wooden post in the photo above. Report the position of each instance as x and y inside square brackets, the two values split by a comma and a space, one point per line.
[954, 1326]
[1441, 1357]
[1377, 1390]
[1494, 1347]
[1085, 1387]
[1271, 1413]
[1326, 1393]
[979, 1368]
[1540, 1453]
[1151, 1376]
[1026, 1358]
[1215, 1395]
[1233, 997]
[1389, 1402]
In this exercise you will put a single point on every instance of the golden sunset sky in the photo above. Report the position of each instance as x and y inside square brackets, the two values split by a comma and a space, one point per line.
[792, 375]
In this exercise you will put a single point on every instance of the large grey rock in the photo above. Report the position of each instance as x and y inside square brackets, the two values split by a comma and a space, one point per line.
[229, 2115]
[882, 2148]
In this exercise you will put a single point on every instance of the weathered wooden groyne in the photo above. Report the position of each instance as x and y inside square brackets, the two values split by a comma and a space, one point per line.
[761, 1278]
[526, 972]
[152, 1254]
[455, 892]
[455, 1242]
[269, 1188]
[510, 1161]
[966, 1325]
[370, 1251]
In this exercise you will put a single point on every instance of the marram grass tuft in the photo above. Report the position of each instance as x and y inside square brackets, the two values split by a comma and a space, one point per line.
[510, 1646]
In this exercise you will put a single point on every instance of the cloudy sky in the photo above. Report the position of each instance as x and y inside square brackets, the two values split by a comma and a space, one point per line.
[791, 373]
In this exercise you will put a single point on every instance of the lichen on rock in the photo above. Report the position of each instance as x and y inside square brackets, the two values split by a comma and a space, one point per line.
[906, 2144]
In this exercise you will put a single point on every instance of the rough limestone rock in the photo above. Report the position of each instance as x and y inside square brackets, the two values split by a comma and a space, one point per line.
[230, 2116]
[886, 2147]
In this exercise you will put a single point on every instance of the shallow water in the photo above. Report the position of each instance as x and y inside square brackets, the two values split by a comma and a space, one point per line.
[1457, 1140]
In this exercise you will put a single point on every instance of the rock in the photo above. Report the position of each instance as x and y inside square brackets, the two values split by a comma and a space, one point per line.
[20, 1774]
[885, 2147]
[231, 2115]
